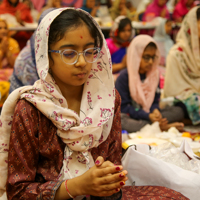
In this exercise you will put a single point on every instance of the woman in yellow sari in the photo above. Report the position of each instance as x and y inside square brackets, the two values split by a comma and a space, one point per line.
[9, 47]
[9, 50]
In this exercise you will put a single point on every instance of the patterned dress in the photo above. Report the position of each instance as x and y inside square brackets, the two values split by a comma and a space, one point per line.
[36, 152]
[36, 157]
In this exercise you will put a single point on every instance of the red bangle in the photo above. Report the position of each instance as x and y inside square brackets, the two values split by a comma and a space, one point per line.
[68, 190]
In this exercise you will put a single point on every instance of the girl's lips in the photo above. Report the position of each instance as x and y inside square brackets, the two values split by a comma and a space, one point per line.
[82, 75]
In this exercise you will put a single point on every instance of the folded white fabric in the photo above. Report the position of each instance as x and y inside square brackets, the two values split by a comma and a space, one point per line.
[144, 169]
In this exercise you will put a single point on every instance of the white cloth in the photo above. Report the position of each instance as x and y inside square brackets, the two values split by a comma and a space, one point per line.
[144, 169]
[80, 133]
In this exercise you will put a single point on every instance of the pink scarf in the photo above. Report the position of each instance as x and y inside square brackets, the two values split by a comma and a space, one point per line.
[141, 93]
[156, 10]
[181, 9]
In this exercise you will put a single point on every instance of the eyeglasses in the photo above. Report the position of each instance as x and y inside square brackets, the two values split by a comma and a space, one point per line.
[70, 56]
[148, 58]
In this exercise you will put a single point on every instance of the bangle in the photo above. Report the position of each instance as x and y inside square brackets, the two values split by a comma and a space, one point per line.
[68, 190]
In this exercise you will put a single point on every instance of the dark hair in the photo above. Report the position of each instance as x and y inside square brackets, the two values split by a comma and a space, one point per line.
[123, 23]
[198, 13]
[152, 45]
[71, 19]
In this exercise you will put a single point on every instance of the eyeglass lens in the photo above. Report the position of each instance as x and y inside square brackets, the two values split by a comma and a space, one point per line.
[148, 58]
[70, 56]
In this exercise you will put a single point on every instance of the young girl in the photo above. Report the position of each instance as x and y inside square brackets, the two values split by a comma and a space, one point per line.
[163, 39]
[61, 125]
[138, 86]
[121, 35]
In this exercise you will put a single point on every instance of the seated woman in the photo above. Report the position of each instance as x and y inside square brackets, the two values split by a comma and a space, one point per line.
[157, 8]
[91, 6]
[182, 79]
[9, 50]
[138, 86]
[119, 8]
[121, 35]
[163, 39]
[22, 15]
[181, 9]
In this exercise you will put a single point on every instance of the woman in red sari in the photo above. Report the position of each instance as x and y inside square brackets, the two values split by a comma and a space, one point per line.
[22, 14]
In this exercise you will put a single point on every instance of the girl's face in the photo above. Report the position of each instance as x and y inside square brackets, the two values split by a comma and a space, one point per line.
[168, 27]
[3, 30]
[69, 76]
[125, 34]
[148, 58]
[162, 2]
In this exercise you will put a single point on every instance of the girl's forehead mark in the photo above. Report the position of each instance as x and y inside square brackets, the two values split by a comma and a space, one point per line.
[81, 37]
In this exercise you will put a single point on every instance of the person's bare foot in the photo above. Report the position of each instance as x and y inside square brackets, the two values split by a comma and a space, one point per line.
[165, 127]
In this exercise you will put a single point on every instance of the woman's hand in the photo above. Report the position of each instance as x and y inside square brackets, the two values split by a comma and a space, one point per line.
[4, 45]
[18, 17]
[155, 116]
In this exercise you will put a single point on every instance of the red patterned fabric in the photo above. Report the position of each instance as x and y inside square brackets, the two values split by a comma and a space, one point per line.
[36, 152]
[150, 193]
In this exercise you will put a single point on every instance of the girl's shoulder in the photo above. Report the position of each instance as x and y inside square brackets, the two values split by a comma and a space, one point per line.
[25, 109]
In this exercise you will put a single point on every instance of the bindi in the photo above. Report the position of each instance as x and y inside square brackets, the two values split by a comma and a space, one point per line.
[81, 37]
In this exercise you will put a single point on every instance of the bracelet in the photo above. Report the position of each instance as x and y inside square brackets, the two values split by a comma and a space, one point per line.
[68, 190]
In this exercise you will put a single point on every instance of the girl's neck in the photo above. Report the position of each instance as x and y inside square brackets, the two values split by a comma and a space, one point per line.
[73, 92]
[73, 96]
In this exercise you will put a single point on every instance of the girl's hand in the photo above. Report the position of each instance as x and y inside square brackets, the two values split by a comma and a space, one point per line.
[105, 179]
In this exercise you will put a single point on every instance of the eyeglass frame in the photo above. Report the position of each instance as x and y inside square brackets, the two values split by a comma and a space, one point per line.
[150, 57]
[78, 54]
